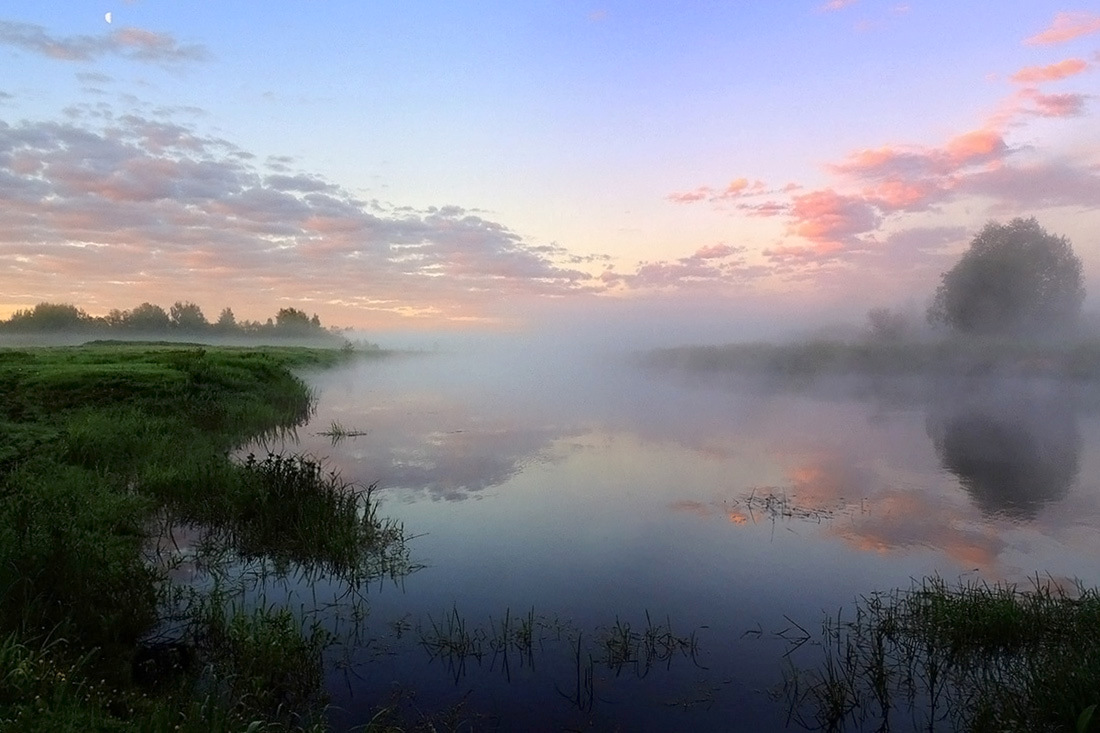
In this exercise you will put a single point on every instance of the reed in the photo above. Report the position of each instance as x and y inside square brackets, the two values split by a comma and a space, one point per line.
[972, 657]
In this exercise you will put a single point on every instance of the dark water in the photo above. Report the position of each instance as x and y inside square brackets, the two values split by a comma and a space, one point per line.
[589, 493]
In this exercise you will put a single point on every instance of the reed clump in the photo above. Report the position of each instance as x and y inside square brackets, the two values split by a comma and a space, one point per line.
[974, 657]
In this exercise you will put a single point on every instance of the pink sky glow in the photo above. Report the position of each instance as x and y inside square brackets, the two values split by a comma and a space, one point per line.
[474, 197]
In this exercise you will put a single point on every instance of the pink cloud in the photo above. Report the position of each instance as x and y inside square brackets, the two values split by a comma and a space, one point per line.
[1039, 185]
[1053, 105]
[715, 266]
[834, 5]
[1066, 27]
[702, 193]
[1052, 72]
[765, 208]
[830, 219]
[715, 251]
[978, 146]
[902, 195]
[736, 188]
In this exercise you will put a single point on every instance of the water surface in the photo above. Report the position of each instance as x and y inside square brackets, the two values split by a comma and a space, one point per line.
[592, 492]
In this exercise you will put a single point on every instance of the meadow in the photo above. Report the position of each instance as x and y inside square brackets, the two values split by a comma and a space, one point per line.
[103, 446]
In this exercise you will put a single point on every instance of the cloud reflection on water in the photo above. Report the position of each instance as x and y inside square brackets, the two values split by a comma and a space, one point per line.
[916, 472]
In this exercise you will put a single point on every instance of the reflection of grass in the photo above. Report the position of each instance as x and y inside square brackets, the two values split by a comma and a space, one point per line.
[624, 647]
[975, 657]
[616, 648]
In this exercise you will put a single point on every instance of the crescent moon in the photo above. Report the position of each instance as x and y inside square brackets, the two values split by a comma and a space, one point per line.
[107, 17]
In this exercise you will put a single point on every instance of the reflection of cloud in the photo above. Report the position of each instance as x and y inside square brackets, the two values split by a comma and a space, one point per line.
[857, 504]
[135, 44]
[456, 465]
[444, 444]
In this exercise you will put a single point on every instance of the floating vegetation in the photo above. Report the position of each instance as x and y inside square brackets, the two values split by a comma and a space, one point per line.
[338, 432]
[974, 657]
[774, 504]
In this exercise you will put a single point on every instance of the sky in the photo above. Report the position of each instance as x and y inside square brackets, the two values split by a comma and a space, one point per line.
[703, 167]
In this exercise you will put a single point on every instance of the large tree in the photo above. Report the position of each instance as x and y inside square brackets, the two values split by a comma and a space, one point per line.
[149, 318]
[1015, 279]
[187, 316]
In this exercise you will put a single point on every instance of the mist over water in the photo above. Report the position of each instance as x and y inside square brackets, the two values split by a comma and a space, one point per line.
[571, 481]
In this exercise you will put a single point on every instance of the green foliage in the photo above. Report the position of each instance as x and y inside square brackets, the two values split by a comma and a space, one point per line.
[184, 317]
[48, 317]
[264, 663]
[95, 442]
[1015, 279]
[148, 318]
[188, 317]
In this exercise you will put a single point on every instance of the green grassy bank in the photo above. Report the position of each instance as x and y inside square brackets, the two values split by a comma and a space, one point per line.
[99, 446]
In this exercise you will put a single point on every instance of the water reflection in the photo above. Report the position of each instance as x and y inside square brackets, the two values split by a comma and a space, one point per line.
[1014, 445]
[604, 492]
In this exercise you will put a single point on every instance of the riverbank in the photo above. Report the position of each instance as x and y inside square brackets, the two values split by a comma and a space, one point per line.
[103, 446]
[1078, 360]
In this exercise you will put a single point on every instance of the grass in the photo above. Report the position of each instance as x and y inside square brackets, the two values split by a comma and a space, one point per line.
[103, 445]
[612, 649]
[949, 357]
[338, 432]
[973, 657]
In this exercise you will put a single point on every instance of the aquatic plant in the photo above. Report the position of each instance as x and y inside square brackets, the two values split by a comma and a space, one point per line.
[338, 432]
[973, 657]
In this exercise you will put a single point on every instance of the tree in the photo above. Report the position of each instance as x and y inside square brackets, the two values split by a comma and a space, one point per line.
[149, 318]
[49, 317]
[291, 321]
[187, 317]
[1015, 279]
[226, 321]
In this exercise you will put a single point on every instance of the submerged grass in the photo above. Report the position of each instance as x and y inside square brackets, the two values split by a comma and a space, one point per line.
[98, 441]
[973, 657]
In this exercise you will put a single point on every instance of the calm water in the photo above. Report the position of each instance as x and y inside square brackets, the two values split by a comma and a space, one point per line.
[593, 492]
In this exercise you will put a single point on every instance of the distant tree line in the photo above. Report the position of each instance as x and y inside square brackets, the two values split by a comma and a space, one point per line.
[183, 318]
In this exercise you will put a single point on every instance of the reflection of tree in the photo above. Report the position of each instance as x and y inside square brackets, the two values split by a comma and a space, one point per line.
[1012, 447]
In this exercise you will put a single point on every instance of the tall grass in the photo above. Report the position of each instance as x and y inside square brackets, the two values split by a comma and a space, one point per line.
[974, 657]
[97, 442]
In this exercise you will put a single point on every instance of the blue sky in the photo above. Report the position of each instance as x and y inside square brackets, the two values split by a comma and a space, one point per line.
[398, 165]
